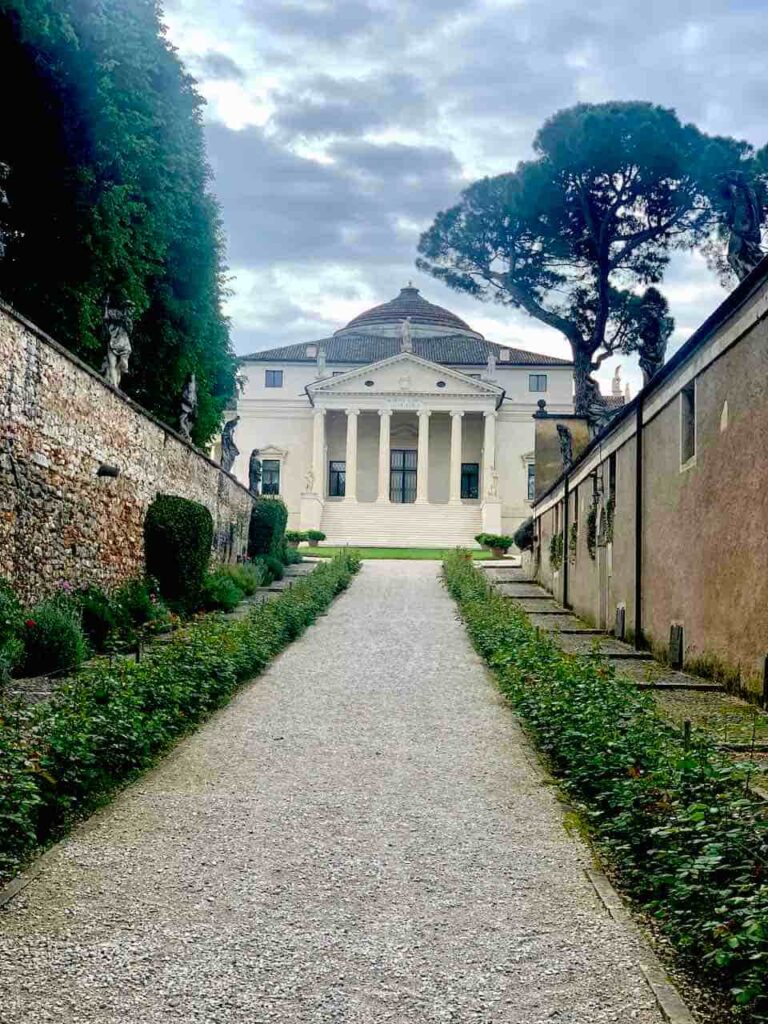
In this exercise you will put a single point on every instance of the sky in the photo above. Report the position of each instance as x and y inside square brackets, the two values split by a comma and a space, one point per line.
[337, 129]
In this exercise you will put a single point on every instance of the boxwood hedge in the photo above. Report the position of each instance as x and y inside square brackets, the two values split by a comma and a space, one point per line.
[687, 838]
[59, 758]
[178, 534]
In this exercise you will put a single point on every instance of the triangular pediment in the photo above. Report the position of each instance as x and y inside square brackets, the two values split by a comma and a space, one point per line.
[405, 374]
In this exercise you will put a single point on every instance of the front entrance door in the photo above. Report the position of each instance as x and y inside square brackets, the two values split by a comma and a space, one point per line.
[402, 475]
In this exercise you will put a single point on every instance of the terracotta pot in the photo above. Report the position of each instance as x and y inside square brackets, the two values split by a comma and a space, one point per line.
[293, 543]
[498, 552]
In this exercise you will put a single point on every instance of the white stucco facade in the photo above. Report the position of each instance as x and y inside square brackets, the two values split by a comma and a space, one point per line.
[404, 449]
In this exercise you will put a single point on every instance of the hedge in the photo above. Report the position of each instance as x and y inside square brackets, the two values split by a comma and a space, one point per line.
[266, 535]
[688, 840]
[178, 535]
[59, 758]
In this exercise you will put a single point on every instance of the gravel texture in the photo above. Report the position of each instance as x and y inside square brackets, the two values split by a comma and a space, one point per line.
[361, 836]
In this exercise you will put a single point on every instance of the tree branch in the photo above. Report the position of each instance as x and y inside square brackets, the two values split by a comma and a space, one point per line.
[533, 307]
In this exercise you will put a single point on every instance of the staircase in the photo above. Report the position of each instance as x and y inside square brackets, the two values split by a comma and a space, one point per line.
[369, 524]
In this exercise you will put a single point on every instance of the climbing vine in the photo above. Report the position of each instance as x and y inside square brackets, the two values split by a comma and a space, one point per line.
[610, 508]
[556, 551]
[573, 539]
[592, 530]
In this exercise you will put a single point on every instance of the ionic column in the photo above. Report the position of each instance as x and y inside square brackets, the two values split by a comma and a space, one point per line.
[318, 453]
[455, 478]
[385, 419]
[422, 458]
[350, 491]
[489, 453]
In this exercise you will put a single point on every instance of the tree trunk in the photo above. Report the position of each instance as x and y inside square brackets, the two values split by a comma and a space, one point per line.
[582, 368]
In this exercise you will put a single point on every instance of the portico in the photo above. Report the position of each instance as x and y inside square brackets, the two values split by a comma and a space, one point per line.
[400, 444]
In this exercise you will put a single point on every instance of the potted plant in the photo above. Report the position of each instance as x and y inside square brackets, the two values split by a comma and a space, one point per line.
[498, 544]
[482, 539]
[294, 537]
[314, 537]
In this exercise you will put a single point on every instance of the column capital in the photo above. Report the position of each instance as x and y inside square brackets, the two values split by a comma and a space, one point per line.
[424, 412]
[490, 414]
[457, 412]
[352, 412]
[385, 412]
[320, 410]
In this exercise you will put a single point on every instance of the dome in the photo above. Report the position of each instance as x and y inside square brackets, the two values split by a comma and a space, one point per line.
[426, 318]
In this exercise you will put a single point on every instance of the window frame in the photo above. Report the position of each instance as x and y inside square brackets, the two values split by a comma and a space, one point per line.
[530, 476]
[278, 470]
[337, 478]
[538, 377]
[270, 376]
[469, 470]
[688, 425]
[407, 472]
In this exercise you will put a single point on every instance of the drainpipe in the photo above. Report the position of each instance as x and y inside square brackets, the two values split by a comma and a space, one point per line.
[566, 530]
[639, 524]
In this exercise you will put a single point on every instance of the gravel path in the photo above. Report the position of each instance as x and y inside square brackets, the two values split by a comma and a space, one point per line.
[361, 836]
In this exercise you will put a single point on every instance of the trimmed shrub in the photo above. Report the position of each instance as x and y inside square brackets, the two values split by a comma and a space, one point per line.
[220, 592]
[53, 639]
[295, 536]
[292, 556]
[275, 567]
[481, 539]
[62, 756]
[11, 630]
[178, 535]
[315, 536]
[687, 838]
[266, 535]
[495, 541]
[524, 535]
[100, 617]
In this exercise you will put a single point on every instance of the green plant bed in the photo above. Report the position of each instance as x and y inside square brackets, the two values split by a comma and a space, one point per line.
[688, 841]
[436, 554]
[60, 758]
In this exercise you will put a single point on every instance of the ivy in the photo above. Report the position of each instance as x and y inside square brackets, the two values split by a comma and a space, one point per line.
[592, 530]
[556, 551]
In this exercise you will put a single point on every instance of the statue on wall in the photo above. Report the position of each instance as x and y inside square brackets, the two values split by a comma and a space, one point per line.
[493, 486]
[254, 472]
[188, 407]
[118, 321]
[5, 171]
[229, 450]
[598, 412]
[565, 437]
[406, 338]
[655, 325]
[744, 217]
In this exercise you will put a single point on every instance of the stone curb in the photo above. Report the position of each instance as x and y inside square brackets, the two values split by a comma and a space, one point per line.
[668, 998]
[20, 882]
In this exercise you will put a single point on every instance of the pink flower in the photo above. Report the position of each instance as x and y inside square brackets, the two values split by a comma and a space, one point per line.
[30, 623]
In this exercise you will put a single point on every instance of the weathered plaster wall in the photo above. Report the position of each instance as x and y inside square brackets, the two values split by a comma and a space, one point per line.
[549, 459]
[59, 521]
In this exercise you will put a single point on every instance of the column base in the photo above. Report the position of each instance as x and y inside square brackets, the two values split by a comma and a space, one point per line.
[311, 512]
[455, 501]
[491, 516]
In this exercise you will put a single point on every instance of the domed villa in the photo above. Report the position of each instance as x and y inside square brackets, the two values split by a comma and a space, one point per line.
[405, 428]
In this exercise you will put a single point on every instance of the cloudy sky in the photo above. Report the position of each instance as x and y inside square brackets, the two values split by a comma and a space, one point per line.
[338, 128]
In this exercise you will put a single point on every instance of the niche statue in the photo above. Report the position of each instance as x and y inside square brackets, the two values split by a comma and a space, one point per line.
[188, 407]
[118, 321]
[229, 450]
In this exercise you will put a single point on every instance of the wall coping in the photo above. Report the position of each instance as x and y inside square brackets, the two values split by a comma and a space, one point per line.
[57, 347]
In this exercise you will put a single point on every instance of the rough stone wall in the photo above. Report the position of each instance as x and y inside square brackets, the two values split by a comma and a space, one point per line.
[60, 520]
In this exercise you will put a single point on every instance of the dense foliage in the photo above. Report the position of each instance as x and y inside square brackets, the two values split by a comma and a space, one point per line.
[573, 236]
[11, 630]
[58, 758]
[178, 534]
[266, 535]
[53, 639]
[524, 535]
[107, 195]
[689, 841]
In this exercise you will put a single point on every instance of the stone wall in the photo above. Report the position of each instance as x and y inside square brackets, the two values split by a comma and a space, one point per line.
[59, 424]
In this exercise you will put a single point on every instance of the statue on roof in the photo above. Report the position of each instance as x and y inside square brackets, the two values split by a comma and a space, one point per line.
[616, 381]
[229, 450]
[406, 339]
[744, 218]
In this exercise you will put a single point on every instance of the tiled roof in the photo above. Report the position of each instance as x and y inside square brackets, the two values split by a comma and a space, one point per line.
[449, 349]
[614, 401]
[407, 304]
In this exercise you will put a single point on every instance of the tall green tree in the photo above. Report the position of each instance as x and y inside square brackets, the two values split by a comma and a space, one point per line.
[575, 236]
[108, 196]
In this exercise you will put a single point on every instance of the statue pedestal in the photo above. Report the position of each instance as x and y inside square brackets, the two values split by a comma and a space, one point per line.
[311, 512]
[491, 516]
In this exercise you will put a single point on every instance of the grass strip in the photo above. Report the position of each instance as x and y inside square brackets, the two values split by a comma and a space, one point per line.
[61, 758]
[687, 840]
[435, 554]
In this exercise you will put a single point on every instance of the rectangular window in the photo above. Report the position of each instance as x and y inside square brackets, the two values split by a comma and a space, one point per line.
[402, 475]
[688, 423]
[337, 479]
[270, 476]
[470, 479]
[273, 378]
[537, 382]
[531, 481]
[612, 476]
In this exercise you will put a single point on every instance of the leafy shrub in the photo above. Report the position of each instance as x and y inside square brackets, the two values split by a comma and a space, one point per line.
[315, 536]
[688, 840]
[295, 536]
[220, 592]
[11, 630]
[248, 576]
[53, 639]
[493, 540]
[266, 535]
[275, 567]
[140, 602]
[481, 539]
[556, 547]
[101, 618]
[178, 535]
[63, 755]
[524, 535]
[292, 556]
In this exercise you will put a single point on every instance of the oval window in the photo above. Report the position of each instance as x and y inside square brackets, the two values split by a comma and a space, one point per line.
[369, 383]
[441, 383]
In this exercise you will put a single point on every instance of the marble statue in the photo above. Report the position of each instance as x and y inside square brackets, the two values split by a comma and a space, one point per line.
[118, 322]
[406, 339]
[309, 481]
[565, 437]
[491, 369]
[254, 471]
[493, 486]
[616, 381]
[744, 218]
[229, 450]
[598, 413]
[188, 407]
[322, 364]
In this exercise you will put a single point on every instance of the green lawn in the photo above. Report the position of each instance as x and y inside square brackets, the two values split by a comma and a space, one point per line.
[410, 553]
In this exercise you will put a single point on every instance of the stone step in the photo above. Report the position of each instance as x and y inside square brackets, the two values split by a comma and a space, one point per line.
[563, 623]
[370, 524]
[606, 646]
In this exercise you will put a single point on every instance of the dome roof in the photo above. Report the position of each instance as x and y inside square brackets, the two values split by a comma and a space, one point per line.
[425, 317]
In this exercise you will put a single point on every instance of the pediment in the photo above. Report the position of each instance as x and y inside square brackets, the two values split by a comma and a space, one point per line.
[405, 374]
